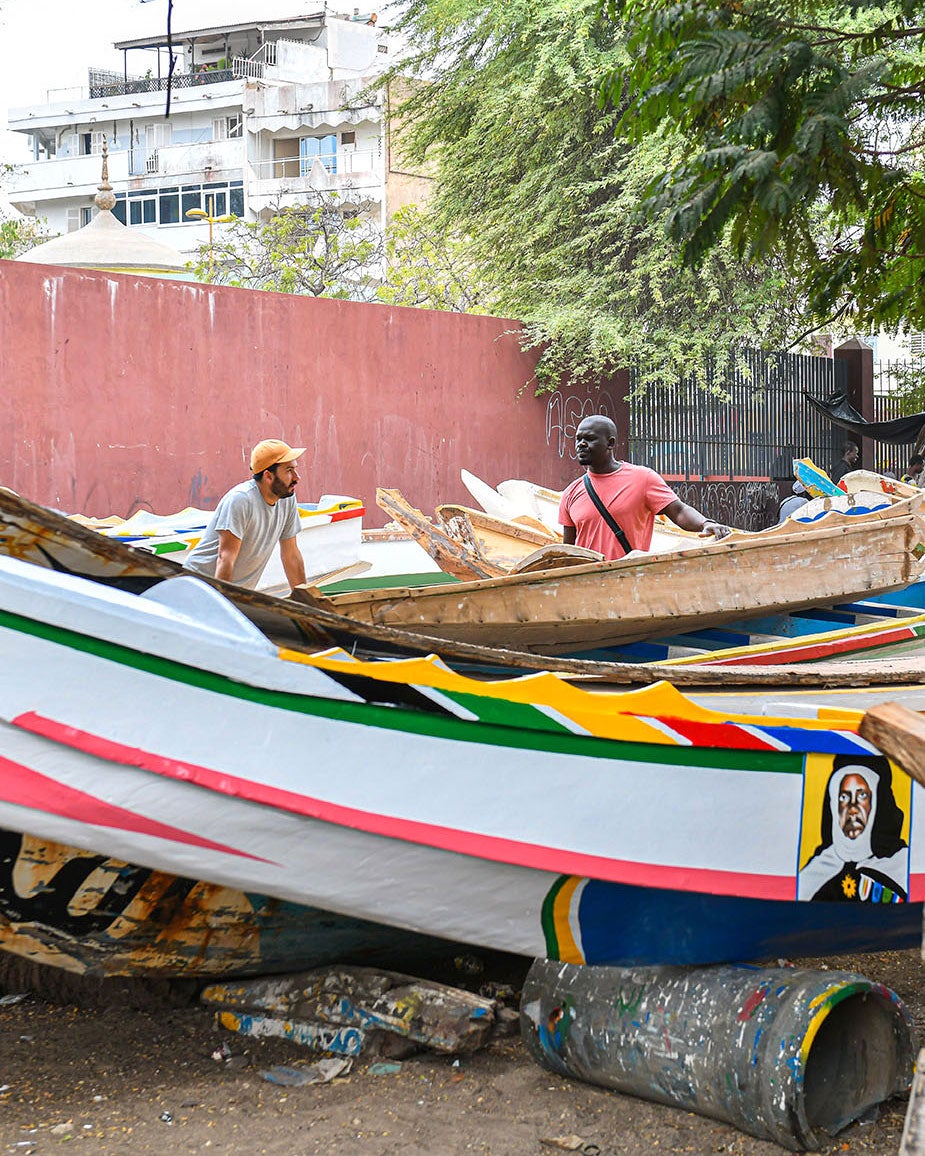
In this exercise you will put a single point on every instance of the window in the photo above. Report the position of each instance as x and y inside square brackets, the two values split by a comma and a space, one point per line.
[348, 138]
[91, 143]
[73, 220]
[168, 206]
[86, 216]
[322, 147]
[227, 127]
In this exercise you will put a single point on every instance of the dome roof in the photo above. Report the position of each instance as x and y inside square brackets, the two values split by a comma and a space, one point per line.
[105, 243]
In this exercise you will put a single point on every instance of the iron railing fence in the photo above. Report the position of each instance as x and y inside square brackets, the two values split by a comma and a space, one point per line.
[749, 424]
[160, 83]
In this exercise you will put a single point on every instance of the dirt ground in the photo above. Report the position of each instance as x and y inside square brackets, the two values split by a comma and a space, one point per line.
[131, 1070]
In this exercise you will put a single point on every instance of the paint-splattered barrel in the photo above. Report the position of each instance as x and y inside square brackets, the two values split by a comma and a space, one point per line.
[785, 1054]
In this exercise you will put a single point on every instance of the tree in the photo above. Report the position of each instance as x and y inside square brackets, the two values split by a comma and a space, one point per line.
[803, 138]
[529, 170]
[429, 268]
[18, 235]
[327, 246]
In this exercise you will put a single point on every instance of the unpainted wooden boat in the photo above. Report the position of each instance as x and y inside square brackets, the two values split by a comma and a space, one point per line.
[606, 603]
[165, 730]
[45, 538]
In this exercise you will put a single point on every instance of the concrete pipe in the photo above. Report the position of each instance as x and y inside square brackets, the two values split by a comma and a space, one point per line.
[787, 1055]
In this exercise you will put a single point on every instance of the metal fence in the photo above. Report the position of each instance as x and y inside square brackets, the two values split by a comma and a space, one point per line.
[728, 449]
[750, 424]
[159, 83]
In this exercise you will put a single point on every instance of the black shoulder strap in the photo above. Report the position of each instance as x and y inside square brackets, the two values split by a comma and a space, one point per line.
[607, 516]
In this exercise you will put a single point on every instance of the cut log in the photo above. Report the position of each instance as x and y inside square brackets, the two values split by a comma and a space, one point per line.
[900, 734]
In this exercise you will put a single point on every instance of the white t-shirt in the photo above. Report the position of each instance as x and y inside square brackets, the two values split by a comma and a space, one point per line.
[259, 525]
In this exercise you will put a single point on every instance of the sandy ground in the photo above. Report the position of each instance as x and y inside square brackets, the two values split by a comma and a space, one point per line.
[129, 1071]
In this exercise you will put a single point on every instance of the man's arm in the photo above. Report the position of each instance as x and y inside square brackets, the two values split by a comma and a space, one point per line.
[568, 535]
[687, 518]
[293, 562]
[229, 546]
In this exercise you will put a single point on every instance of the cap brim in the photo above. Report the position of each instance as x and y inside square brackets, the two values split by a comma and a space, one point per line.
[291, 456]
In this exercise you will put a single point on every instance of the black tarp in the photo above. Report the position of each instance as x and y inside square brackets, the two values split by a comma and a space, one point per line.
[900, 431]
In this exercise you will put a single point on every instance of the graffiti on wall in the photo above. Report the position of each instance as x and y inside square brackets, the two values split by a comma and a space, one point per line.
[564, 412]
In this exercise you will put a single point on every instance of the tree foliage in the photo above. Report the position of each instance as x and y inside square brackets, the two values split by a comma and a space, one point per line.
[18, 235]
[530, 171]
[804, 131]
[327, 246]
[429, 267]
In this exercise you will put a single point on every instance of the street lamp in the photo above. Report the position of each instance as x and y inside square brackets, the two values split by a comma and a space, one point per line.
[213, 220]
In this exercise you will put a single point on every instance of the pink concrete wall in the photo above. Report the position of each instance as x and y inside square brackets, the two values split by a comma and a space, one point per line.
[122, 392]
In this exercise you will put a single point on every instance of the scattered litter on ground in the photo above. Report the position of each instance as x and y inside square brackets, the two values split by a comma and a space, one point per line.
[321, 1073]
[384, 1068]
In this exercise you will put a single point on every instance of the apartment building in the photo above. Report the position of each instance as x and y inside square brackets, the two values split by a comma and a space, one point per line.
[250, 118]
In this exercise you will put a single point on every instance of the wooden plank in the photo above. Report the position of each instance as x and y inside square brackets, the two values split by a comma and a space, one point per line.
[458, 560]
[913, 1137]
[447, 1019]
[900, 734]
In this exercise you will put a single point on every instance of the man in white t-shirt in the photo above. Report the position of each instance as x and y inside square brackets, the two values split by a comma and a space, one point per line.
[251, 519]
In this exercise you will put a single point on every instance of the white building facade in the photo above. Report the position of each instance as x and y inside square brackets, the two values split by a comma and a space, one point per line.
[260, 113]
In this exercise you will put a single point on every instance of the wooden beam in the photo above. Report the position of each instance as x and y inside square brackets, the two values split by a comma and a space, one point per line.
[900, 734]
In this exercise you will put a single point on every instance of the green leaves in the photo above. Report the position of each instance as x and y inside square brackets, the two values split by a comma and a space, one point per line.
[803, 139]
[326, 246]
[543, 196]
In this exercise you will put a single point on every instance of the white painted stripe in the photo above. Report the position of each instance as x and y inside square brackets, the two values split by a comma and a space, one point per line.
[663, 727]
[563, 720]
[445, 702]
[574, 925]
[763, 737]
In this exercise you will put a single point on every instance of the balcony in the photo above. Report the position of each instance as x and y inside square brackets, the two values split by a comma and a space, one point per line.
[179, 80]
[181, 160]
[348, 168]
[47, 180]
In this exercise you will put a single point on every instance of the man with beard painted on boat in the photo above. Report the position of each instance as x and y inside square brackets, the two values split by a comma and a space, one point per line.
[862, 856]
[612, 507]
[252, 519]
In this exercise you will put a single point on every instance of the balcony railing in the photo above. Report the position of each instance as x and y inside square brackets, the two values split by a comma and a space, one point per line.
[345, 162]
[56, 175]
[160, 83]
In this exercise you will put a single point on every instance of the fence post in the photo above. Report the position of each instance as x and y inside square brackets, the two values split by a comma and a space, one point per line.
[858, 359]
[620, 386]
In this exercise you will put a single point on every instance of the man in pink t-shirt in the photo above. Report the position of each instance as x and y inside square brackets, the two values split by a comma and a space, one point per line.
[632, 495]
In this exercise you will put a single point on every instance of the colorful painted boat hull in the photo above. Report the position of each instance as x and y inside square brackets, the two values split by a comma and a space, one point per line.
[97, 916]
[525, 816]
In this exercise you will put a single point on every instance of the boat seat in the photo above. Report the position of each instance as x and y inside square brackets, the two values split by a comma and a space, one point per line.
[556, 556]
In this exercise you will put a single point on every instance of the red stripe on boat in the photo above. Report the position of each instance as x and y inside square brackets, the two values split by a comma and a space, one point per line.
[489, 847]
[817, 650]
[26, 787]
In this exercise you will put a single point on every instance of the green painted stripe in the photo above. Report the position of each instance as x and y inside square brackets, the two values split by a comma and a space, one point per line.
[547, 920]
[388, 582]
[409, 721]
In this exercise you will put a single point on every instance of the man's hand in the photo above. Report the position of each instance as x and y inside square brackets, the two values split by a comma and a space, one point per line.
[714, 529]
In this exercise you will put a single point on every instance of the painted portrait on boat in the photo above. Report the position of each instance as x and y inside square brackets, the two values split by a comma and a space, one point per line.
[855, 834]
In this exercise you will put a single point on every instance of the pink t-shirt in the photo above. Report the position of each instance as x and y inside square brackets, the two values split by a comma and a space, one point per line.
[633, 495]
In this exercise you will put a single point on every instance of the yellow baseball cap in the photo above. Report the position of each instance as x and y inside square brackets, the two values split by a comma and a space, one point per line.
[272, 453]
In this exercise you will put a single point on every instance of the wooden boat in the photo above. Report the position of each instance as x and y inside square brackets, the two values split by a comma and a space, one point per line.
[329, 539]
[96, 915]
[601, 604]
[44, 538]
[164, 730]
